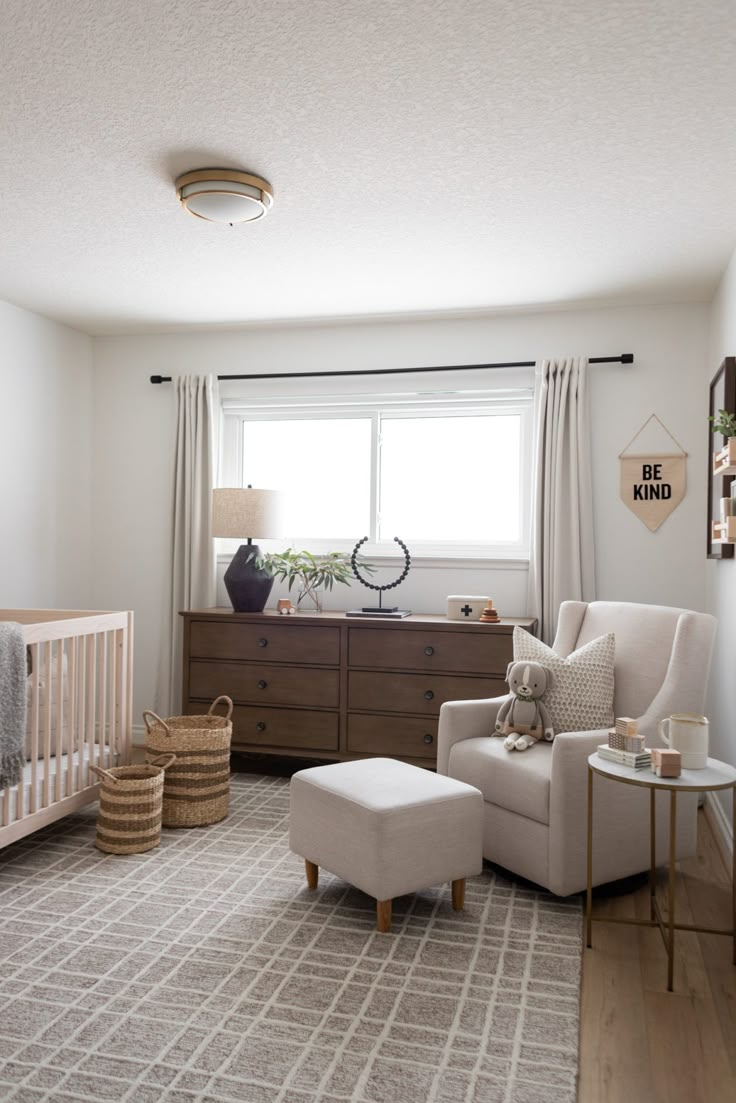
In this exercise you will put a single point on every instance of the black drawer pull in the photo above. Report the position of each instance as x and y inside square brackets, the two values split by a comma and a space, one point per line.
[262, 684]
[429, 738]
[260, 726]
[429, 650]
[429, 695]
[263, 642]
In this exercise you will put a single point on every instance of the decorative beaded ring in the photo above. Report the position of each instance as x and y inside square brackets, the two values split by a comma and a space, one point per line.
[388, 585]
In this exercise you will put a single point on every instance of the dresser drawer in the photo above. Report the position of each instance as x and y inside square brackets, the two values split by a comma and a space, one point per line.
[486, 652]
[404, 737]
[417, 693]
[267, 727]
[276, 643]
[259, 683]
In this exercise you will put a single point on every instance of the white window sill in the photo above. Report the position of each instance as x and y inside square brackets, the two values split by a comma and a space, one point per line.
[431, 562]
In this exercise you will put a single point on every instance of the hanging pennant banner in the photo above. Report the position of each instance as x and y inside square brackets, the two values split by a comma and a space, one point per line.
[653, 485]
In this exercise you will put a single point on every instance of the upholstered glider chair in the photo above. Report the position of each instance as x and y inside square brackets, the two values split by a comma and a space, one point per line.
[535, 801]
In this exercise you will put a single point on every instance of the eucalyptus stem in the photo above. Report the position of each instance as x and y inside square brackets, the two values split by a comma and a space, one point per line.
[310, 571]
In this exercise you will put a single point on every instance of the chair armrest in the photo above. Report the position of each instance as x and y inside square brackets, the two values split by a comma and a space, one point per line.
[571, 748]
[569, 770]
[464, 720]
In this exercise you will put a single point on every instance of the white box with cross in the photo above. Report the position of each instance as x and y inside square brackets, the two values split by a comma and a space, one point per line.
[465, 607]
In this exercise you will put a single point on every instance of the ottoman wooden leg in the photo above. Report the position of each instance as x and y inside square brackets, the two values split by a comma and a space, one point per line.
[312, 873]
[383, 913]
[458, 894]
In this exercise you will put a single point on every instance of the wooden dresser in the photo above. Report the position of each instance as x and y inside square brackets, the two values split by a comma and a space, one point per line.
[332, 687]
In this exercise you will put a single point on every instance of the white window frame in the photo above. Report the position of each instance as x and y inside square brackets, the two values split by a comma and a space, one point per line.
[237, 412]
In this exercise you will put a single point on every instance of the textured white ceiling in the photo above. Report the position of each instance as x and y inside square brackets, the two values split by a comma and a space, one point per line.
[456, 154]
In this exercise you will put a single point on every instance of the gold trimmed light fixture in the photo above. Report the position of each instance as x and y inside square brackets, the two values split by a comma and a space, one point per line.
[224, 195]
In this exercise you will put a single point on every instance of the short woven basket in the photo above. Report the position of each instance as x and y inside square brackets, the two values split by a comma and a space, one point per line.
[131, 798]
[197, 787]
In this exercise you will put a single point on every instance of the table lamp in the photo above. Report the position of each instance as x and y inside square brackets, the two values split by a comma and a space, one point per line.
[238, 512]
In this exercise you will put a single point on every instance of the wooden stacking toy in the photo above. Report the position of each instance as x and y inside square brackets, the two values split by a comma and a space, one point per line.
[489, 614]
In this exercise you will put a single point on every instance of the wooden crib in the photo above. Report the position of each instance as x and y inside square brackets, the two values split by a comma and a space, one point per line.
[79, 712]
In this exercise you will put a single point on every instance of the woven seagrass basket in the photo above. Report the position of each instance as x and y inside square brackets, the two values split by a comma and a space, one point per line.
[197, 788]
[131, 797]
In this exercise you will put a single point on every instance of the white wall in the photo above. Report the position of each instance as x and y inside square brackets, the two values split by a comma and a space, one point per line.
[133, 444]
[45, 439]
[721, 574]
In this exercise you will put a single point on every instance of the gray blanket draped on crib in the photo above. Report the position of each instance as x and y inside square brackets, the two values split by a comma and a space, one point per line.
[12, 703]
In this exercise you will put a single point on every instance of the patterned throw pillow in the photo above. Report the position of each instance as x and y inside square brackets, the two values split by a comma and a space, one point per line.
[581, 695]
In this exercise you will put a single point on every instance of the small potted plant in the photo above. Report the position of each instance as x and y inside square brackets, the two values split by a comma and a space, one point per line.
[725, 458]
[312, 573]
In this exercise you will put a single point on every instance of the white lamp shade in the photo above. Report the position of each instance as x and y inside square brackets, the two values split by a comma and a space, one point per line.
[255, 514]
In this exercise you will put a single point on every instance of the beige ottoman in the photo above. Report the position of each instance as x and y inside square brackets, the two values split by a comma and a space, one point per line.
[386, 827]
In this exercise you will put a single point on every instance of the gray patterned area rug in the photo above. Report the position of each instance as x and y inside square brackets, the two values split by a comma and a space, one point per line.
[206, 970]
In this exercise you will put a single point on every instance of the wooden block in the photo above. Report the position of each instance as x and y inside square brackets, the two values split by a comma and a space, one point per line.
[665, 762]
[621, 742]
[626, 725]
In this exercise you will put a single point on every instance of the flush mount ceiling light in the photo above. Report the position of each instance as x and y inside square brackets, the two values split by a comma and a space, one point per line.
[224, 195]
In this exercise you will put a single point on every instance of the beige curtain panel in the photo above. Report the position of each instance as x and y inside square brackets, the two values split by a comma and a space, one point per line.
[561, 560]
[192, 548]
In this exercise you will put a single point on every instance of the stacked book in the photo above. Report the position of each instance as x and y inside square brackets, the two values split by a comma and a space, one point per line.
[638, 760]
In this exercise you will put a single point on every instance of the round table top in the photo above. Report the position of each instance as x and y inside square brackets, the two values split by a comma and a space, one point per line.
[716, 775]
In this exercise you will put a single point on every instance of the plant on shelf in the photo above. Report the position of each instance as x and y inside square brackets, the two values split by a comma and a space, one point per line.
[311, 573]
[725, 423]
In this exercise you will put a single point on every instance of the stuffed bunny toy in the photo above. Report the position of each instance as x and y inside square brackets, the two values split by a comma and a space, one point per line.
[523, 718]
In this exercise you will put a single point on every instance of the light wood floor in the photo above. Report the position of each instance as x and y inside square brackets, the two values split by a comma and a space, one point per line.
[639, 1042]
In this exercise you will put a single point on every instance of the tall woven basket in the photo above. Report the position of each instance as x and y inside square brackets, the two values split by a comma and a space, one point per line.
[197, 788]
[131, 797]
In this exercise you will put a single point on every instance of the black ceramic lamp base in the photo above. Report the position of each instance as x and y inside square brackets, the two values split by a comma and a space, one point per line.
[248, 587]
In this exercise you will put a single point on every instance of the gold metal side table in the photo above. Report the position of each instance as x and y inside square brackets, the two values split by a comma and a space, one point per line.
[716, 775]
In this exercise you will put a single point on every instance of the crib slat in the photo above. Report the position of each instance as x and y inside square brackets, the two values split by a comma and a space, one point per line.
[114, 701]
[72, 657]
[19, 799]
[102, 704]
[37, 658]
[6, 806]
[47, 713]
[59, 717]
[126, 683]
[90, 675]
[82, 706]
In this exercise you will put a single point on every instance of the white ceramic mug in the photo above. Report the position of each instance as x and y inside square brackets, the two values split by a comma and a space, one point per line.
[687, 734]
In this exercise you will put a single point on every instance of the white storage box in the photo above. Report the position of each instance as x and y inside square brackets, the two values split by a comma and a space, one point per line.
[464, 607]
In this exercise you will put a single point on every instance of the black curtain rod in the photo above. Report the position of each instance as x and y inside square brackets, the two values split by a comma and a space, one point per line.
[624, 358]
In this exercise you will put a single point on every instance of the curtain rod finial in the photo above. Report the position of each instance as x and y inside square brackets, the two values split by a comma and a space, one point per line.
[627, 358]
[160, 378]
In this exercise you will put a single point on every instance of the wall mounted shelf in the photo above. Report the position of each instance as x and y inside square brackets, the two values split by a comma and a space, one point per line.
[724, 532]
[722, 464]
[724, 461]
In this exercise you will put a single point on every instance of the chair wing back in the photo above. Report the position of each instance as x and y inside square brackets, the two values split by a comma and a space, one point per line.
[657, 648]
